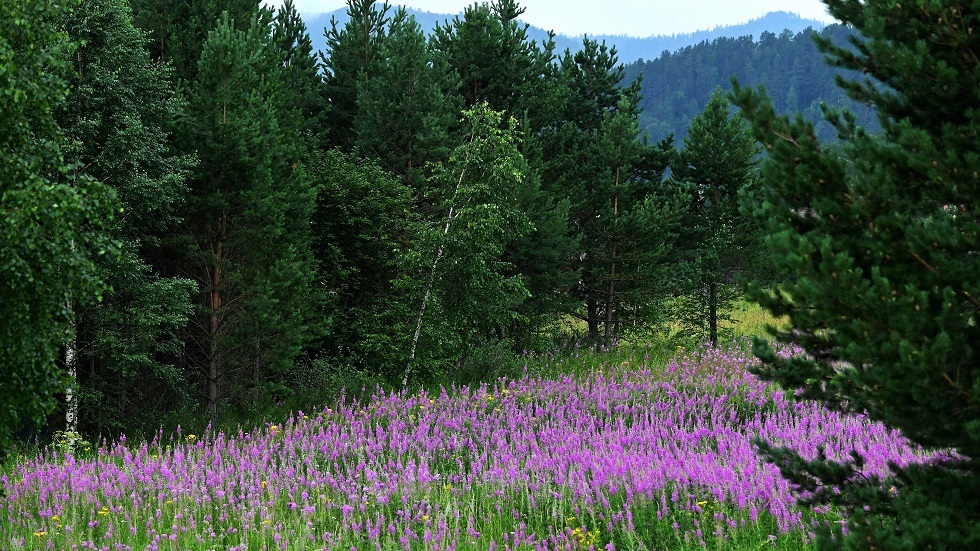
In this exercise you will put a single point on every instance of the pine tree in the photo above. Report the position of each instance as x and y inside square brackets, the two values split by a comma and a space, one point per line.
[407, 109]
[880, 241]
[249, 216]
[351, 58]
[718, 160]
[634, 232]
[579, 153]
[491, 53]
[178, 28]
[50, 224]
[114, 120]
[303, 82]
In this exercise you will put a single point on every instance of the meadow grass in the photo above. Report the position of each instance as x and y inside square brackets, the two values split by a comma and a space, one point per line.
[638, 447]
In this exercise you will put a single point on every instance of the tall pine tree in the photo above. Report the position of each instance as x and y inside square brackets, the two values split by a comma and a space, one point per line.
[408, 107]
[633, 235]
[178, 28]
[881, 244]
[351, 58]
[249, 216]
[718, 160]
[303, 86]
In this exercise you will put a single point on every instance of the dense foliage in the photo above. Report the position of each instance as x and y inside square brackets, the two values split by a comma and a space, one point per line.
[205, 222]
[51, 217]
[397, 209]
[879, 238]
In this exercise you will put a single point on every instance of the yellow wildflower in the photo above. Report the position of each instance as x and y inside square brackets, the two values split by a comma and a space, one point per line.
[40, 534]
[263, 484]
[425, 518]
[191, 437]
[104, 511]
[55, 518]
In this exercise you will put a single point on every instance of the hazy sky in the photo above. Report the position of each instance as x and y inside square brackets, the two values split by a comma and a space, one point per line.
[633, 17]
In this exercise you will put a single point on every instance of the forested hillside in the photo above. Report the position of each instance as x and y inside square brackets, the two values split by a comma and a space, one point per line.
[630, 48]
[676, 86]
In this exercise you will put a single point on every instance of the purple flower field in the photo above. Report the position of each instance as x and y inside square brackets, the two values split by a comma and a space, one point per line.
[627, 457]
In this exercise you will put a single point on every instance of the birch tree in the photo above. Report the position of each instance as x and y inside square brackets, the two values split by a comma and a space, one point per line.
[50, 225]
[466, 288]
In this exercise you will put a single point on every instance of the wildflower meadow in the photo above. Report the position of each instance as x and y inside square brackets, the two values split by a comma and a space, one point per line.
[629, 454]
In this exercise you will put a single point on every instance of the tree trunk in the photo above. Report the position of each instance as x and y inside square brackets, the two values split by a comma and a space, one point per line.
[592, 309]
[611, 296]
[213, 370]
[71, 365]
[214, 325]
[257, 369]
[713, 313]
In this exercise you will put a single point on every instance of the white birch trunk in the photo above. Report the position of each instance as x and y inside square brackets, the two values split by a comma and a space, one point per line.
[431, 282]
[71, 365]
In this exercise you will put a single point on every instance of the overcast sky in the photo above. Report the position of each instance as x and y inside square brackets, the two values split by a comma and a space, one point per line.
[632, 17]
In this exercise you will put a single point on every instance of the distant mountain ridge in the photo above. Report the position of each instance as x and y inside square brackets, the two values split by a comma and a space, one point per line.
[630, 48]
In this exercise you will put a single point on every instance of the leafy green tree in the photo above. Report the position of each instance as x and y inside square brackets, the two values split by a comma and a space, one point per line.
[362, 227]
[114, 121]
[719, 160]
[249, 219]
[465, 280]
[351, 58]
[497, 63]
[881, 248]
[50, 224]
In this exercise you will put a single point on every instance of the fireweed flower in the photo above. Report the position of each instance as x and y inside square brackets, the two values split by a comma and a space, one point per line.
[610, 443]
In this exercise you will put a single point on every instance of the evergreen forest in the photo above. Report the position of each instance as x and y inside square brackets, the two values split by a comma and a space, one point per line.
[208, 225]
[676, 85]
[253, 223]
